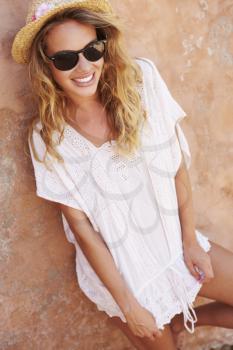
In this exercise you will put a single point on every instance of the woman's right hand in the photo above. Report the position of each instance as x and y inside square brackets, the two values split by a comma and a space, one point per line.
[141, 322]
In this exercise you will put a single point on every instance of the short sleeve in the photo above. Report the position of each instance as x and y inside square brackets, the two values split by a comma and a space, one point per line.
[52, 184]
[167, 107]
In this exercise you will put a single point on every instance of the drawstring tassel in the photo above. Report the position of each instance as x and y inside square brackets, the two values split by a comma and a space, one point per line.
[182, 294]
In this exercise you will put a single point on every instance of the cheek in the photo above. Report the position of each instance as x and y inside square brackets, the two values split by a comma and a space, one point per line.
[99, 66]
[59, 76]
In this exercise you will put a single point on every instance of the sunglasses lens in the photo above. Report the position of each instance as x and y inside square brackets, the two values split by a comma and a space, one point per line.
[68, 60]
[95, 51]
[65, 61]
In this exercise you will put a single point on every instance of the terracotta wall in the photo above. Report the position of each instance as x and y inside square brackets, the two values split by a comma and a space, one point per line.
[41, 306]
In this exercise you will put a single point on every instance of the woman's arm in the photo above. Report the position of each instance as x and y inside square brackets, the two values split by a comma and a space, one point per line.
[195, 257]
[139, 319]
[98, 255]
[185, 203]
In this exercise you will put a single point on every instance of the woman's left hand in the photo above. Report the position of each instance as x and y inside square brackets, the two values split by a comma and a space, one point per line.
[198, 261]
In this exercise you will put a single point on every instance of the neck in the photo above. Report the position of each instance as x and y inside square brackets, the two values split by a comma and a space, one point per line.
[85, 110]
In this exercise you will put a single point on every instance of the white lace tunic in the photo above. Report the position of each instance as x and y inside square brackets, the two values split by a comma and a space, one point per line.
[132, 204]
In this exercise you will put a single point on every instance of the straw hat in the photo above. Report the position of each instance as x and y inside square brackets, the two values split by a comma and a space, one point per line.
[39, 12]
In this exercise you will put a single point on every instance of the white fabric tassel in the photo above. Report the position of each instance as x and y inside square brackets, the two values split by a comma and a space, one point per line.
[182, 295]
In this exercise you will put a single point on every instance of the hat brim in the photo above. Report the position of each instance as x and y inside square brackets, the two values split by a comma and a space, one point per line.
[24, 38]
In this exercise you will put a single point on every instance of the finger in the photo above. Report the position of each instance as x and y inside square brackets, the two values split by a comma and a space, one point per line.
[157, 333]
[204, 273]
[209, 274]
[141, 333]
[204, 278]
[149, 335]
[138, 332]
[153, 337]
[192, 269]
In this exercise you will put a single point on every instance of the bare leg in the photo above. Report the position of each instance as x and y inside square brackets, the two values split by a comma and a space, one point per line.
[212, 314]
[166, 342]
[215, 314]
[220, 288]
[219, 313]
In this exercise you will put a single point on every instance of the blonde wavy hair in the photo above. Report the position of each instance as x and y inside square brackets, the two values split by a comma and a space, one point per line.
[118, 86]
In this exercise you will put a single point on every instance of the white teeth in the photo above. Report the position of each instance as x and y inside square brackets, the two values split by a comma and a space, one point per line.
[85, 80]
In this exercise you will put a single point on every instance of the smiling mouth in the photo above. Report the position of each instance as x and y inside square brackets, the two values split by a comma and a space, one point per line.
[86, 80]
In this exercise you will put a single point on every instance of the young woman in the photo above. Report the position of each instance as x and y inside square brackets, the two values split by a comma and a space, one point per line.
[106, 146]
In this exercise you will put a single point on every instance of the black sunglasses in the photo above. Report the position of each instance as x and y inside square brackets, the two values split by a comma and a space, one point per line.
[66, 60]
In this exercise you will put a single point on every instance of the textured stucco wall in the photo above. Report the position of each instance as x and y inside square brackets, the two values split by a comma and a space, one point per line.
[41, 306]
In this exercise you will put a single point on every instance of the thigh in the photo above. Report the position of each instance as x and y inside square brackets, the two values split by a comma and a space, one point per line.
[166, 342]
[220, 288]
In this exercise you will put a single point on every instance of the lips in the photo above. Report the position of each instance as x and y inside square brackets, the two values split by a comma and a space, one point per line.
[85, 80]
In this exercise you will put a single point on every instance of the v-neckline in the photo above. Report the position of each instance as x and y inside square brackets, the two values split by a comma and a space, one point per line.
[108, 143]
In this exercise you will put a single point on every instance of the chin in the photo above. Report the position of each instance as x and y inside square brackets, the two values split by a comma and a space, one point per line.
[87, 92]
